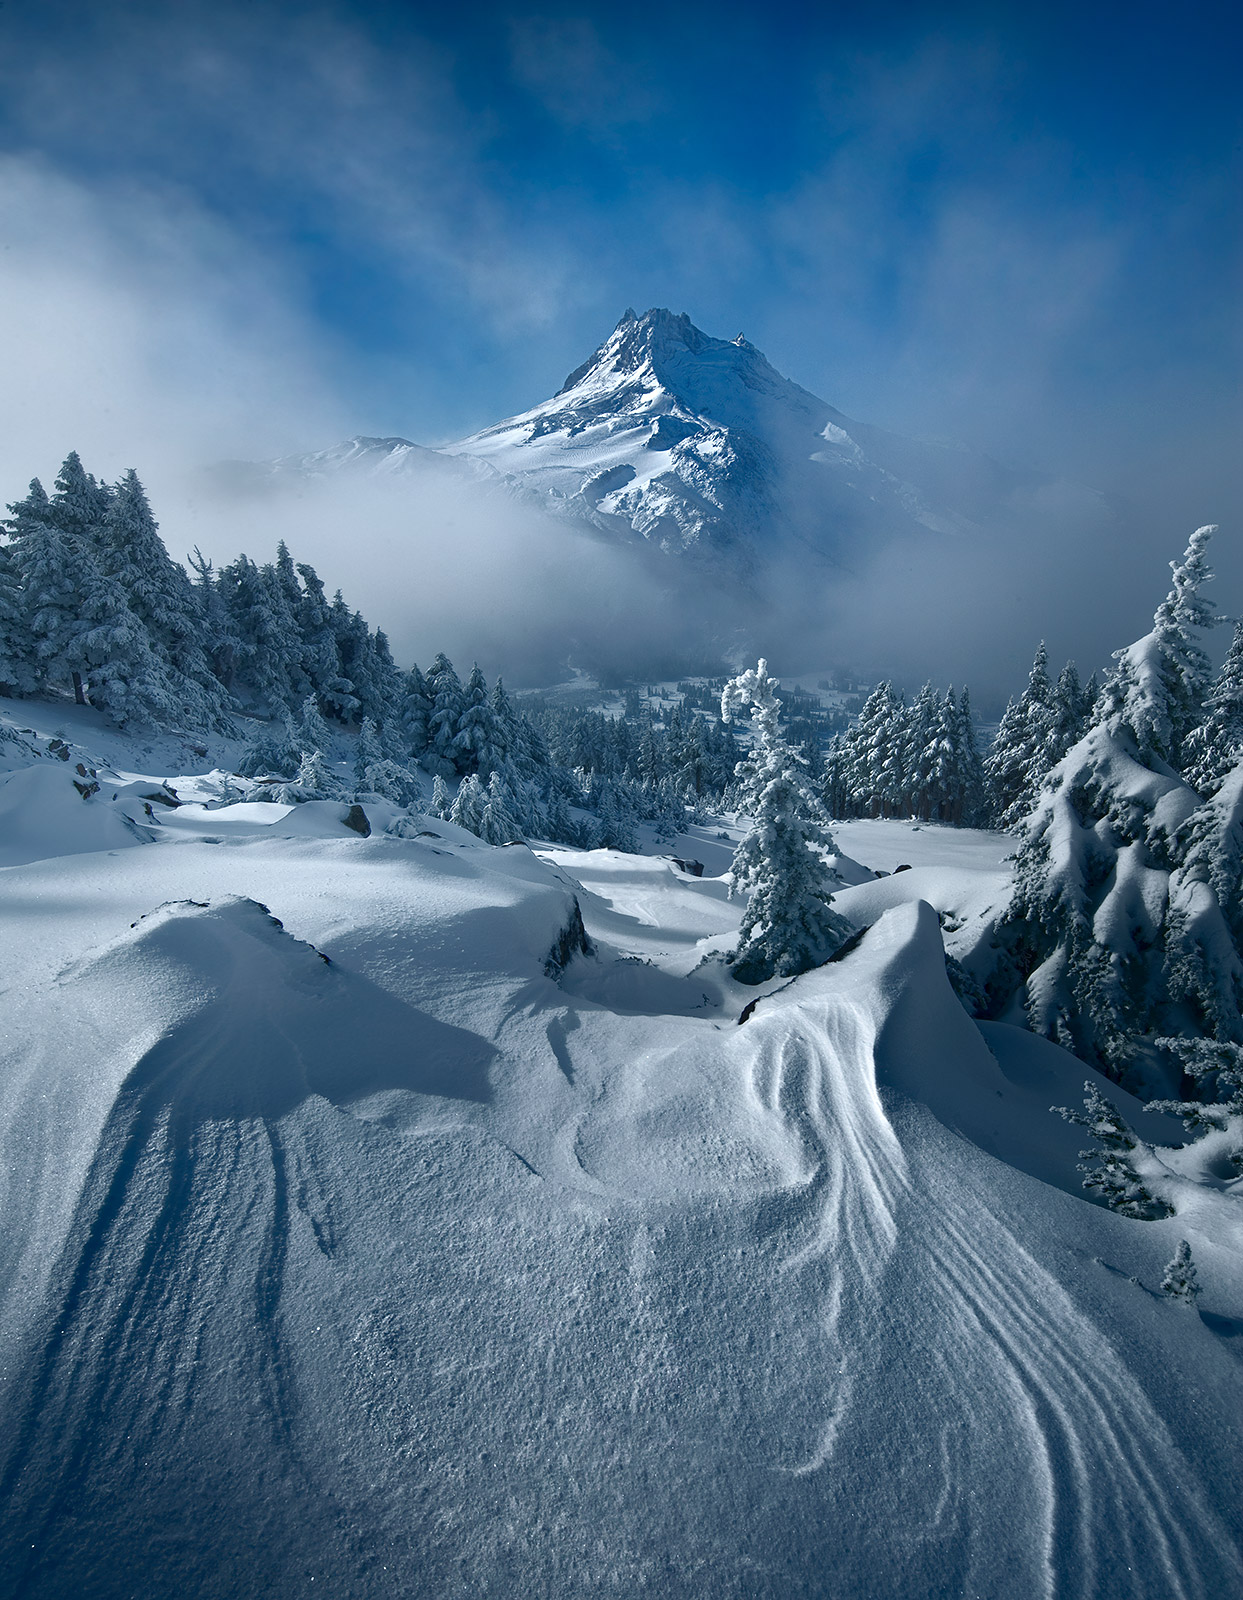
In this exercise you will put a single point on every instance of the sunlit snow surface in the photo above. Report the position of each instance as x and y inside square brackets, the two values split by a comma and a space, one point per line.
[420, 1272]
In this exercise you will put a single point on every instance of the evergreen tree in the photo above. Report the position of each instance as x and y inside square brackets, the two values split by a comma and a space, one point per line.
[220, 642]
[111, 651]
[1088, 941]
[1109, 1167]
[788, 925]
[1070, 713]
[875, 764]
[478, 745]
[1204, 934]
[445, 689]
[511, 732]
[1124, 919]
[414, 711]
[268, 639]
[1217, 1071]
[497, 824]
[615, 817]
[366, 665]
[971, 803]
[313, 732]
[36, 552]
[47, 560]
[320, 655]
[272, 754]
[369, 751]
[558, 823]
[315, 781]
[161, 597]
[390, 780]
[469, 805]
[924, 755]
[1158, 685]
[1021, 752]
[18, 673]
[1216, 743]
[441, 803]
[1180, 1282]
[79, 504]
[385, 694]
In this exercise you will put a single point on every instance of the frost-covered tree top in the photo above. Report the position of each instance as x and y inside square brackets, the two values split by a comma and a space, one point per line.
[1216, 743]
[1156, 689]
[1026, 744]
[479, 743]
[789, 925]
[1180, 1282]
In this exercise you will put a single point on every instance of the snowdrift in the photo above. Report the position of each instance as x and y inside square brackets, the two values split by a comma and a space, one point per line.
[351, 1247]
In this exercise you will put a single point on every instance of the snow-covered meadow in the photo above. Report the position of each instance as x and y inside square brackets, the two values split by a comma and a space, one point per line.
[374, 1226]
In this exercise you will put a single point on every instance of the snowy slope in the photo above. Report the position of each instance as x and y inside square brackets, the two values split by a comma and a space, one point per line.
[423, 1270]
[364, 454]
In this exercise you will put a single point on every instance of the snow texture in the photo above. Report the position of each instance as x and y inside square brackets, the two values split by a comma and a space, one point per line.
[348, 1252]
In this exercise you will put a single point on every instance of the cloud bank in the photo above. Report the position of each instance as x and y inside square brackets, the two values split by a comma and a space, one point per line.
[242, 232]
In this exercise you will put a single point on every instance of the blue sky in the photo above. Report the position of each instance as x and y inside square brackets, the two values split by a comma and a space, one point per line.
[267, 225]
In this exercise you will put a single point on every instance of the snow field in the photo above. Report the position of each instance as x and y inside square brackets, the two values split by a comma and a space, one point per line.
[419, 1271]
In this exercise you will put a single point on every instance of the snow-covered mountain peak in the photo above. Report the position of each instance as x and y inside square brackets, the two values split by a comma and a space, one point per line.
[671, 437]
[698, 443]
[662, 362]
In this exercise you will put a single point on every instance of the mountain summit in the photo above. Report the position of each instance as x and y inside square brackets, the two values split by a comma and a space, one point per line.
[670, 439]
[699, 445]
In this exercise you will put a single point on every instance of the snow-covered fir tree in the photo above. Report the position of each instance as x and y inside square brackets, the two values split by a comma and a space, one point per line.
[46, 558]
[129, 550]
[788, 925]
[1109, 1167]
[920, 760]
[113, 654]
[469, 804]
[442, 800]
[1021, 752]
[79, 503]
[1180, 1282]
[17, 664]
[414, 710]
[315, 780]
[615, 815]
[444, 688]
[313, 732]
[1216, 1117]
[220, 640]
[1158, 684]
[321, 658]
[479, 743]
[267, 671]
[498, 824]
[1204, 936]
[1215, 744]
[1122, 922]
[368, 750]
[273, 750]
[390, 780]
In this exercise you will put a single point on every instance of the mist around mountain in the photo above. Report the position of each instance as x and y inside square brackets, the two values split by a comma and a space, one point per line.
[464, 1143]
[696, 503]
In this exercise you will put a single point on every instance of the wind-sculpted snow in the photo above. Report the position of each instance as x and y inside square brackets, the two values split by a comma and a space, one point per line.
[417, 1271]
